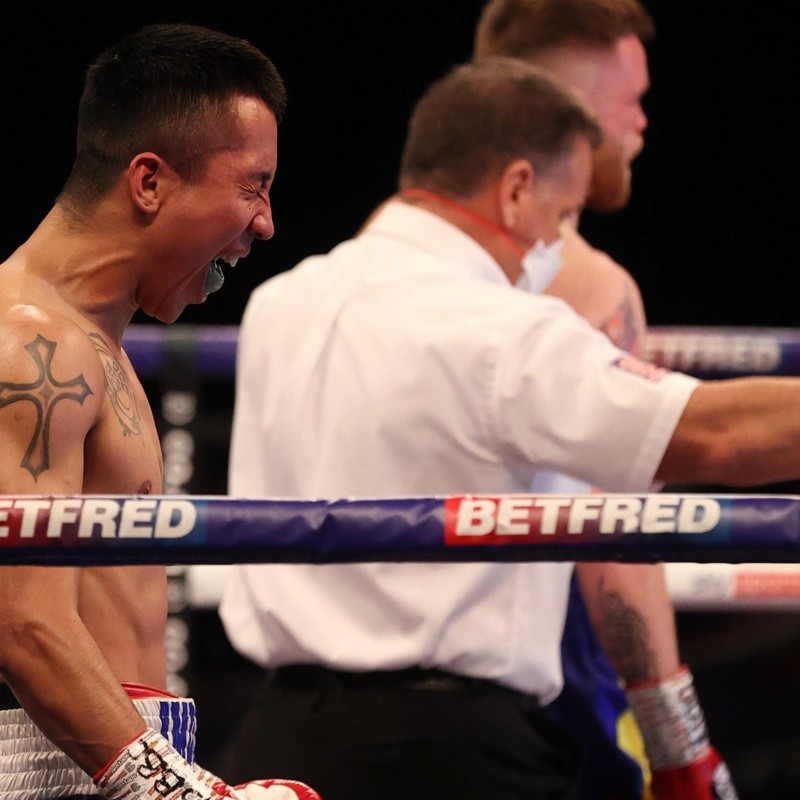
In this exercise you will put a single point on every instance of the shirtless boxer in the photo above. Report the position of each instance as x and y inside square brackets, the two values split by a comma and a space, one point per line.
[597, 47]
[176, 154]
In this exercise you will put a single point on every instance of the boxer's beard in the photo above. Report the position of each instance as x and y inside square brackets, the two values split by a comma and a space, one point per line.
[611, 177]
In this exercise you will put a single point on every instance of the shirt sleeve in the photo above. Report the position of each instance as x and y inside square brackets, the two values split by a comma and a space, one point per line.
[565, 396]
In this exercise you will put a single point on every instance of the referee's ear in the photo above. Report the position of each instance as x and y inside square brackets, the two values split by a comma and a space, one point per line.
[514, 194]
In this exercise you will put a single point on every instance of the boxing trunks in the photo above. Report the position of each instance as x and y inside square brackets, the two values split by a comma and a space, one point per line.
[32, 768]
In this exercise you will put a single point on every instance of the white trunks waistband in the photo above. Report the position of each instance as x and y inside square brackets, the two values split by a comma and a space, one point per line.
[32, 768]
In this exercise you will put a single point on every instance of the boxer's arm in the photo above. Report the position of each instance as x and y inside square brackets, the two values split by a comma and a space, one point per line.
[56, 670]
[47, 656]
[602, 291]
[629, 604]
[624, 323]
[632, 614]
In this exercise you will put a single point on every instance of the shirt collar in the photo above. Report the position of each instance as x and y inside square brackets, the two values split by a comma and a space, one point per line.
[431, 233]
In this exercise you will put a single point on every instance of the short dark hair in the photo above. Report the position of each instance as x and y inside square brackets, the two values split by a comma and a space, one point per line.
[168, 88]
[524, 28]
[478, 118]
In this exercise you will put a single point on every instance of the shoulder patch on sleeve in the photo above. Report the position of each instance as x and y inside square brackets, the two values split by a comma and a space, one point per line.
[642, 368]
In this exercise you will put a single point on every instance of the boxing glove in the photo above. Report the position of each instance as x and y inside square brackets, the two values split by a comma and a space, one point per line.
[150, 767]
[257, 790]
[684, 765]
[706, 778]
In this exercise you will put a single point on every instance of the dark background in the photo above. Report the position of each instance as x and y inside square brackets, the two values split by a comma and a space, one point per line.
[705, 236]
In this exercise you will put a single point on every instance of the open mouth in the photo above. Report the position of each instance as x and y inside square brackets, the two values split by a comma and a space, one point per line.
[215, 277]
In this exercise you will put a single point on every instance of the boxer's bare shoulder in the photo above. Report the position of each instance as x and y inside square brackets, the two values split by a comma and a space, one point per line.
[73, 413]
[51, 394]
[601, 290]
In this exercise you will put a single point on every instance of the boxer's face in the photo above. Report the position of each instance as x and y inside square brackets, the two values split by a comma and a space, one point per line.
[214, 217]
[619, 81]
[613, 81]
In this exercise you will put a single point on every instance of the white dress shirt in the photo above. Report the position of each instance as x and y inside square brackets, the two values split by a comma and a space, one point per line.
[403, 363]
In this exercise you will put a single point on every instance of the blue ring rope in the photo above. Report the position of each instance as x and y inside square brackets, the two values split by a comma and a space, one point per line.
[704, 352]
[81, 530]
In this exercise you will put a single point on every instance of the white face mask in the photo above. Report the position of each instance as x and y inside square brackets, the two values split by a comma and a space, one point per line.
[540, 265]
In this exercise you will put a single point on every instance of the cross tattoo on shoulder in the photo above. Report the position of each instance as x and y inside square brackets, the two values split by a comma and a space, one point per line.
[44, 392]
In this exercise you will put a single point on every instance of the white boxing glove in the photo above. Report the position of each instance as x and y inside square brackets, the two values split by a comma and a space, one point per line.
[150, 767]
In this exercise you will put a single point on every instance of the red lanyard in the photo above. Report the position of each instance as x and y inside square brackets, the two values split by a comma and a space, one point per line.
[433, 197]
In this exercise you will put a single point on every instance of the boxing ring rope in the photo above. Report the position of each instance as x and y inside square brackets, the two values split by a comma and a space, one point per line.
[166, 529]
[705, 352]
[722, 550]
[725, 352]
[215, 531]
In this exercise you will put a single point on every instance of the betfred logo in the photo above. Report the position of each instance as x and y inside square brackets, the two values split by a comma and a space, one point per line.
[45, 520]
[689, 350]
[517, 519]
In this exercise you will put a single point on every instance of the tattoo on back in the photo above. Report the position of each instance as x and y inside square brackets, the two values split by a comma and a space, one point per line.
[44, 392]
[118, 389]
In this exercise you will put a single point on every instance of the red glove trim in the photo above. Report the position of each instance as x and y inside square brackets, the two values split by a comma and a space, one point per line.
[140, 691]
[657, 681]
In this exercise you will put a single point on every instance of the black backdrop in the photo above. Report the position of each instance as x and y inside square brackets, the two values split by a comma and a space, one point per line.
[703, 235]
